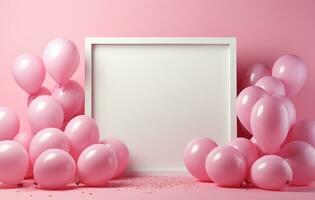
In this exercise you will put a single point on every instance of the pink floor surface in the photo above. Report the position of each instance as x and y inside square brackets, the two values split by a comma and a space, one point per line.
[156, 187]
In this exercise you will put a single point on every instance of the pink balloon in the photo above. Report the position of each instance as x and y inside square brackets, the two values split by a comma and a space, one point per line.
[301, 157]
[70, 96]
[271, 172]
[25, 138]
[195, 155]
[48, 138]
[82, 131]
[271, 85]
[122, 153]
[29, 72]
[303, 131]
[226, 166]
[9, 123]
[291, 70]
[245, 102]
[260, 152]
[61, 59]
[13, 162]
[45, 112]
[97, 165]
[256, 72]
[270, 124]
[42, 91]
[290, 108]
[247, 148]
[54, 169]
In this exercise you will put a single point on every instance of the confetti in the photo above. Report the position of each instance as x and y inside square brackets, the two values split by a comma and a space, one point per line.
[153, 182]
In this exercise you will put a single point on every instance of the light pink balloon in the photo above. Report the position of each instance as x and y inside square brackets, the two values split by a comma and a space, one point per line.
[29, 72]
[48, 138]
[247, 148]
[270, 124]
[271, 172]
[226, 166]
[290, 108]
[54, 169]
[97, 165]
[256, 72]
[303, 131]
[271, 85]
[195, 155]
[61, 59]
[82, 131]
[9, 123]
[70, 96]
[45, 112]
[25, 138]
[13, 162]
[245, 102]
[122, 153]
[291, 70]
[42, 91]
[301, 157]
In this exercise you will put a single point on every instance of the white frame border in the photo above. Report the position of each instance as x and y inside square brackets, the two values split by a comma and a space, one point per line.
[90, 41]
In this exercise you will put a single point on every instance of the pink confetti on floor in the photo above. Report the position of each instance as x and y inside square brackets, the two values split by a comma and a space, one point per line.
[154, 182]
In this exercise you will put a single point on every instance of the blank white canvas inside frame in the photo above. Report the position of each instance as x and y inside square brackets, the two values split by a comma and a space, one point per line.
[156, 98]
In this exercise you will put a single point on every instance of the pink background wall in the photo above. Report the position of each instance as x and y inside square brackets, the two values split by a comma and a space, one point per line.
[265, 29]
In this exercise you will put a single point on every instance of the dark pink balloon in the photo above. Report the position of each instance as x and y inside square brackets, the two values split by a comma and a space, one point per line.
[301, 157]
[291, 70]
[245, 102]
[195, 155]
[254, 73]
[303, 131]
[269, 123]
[70, 95]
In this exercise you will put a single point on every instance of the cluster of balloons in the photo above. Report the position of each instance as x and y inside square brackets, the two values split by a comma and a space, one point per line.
[281, 152]
[63, 145]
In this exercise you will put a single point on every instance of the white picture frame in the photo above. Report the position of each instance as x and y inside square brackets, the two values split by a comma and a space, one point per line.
[156, 94]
